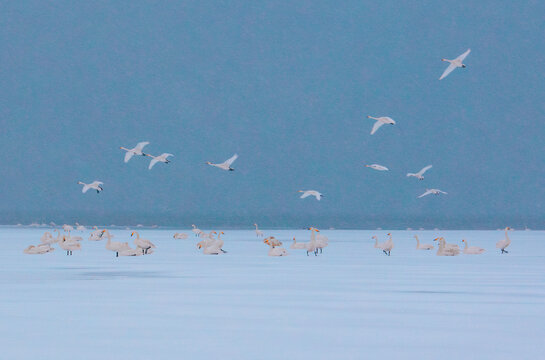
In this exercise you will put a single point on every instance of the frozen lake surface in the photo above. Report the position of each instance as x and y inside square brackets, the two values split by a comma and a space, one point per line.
[352, 302]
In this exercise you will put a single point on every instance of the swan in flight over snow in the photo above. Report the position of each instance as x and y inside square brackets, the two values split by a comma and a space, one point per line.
[381, 121]
[456, 63]
[225, 165]
[95, 185]
[432, 191]
[161, 158]
[137, 150]
[420, 175]
[314, 193]
[377, 167]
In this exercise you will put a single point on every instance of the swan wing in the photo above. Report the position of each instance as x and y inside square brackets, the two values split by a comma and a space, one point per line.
[152, 162]
[377, 125]
[449, 69]
[231, 160]
[305, 194]
[85, 188]
[128, 156]
[425, 194]
[140, 146]
[464, 55]
[421, 172]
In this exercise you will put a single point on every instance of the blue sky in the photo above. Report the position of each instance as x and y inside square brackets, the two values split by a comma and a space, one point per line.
[286, 85]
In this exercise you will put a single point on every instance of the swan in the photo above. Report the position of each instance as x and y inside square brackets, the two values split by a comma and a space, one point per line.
[456, 63]
[422, 246]
[210, 245]
[161, 158]
[446, 249]
[137, 150]
[196, 231]
[116, 246]
[47, 238]
[377, 167]
[219, 242]
[321, 242]
[73, 238]
[128, 251]
[67, 227]
[474, 250]
[386, 246]
[80, 227]
[419, 175]
[257, 231]
[502, 244]
[180, 236]
[277, 251]
[226, 165]
[272, 241]
[39, 249]
[69, 245]
[310, 247]
[143, 244]
[377, 245]
[381, 121]
[296, 245]
[432, 191]
[96, 235]
[95, 185]
[314, 193]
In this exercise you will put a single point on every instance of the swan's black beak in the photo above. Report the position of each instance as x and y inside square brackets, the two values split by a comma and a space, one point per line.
[231, 169]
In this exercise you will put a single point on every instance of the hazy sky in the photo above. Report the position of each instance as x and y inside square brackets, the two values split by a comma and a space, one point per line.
[285, 84]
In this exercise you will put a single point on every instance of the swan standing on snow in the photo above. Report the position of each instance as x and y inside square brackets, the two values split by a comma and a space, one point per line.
[475, 250]
[116, 246]
[419, 175]
[137, 150]
[257, 231]
[381, 121]
[446, 249]
[310, 247]
[161, 158]
[96, 235]
[225, 165]
[95, 185]
[143, 244]
[196, 231]
[180, 236]
[502, 244]
[321, 242]
[377, 167]
[432, 191]
[386, 246]
[314, 193]
[422, 246]
[47, 238]
[69, 245]
[456, 63]
[296, 245]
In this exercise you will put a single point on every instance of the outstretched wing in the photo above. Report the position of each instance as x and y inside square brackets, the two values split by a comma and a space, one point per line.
[231, 160]
[426, 193]
[442, 192]
[85, 188]
[96, 182]
[152, 162]
[450, 69]
[318, 196]
[421, 172]
[305, 194]
[140, 145]
[463, 56]
[376, 127]
[128, 156]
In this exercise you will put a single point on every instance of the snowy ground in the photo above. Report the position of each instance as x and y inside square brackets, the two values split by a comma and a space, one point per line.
[352, 302]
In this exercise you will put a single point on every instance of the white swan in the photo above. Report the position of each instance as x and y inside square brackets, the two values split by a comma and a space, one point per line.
[419, 175]
[67, 227]
[115, 246]
[388, 245]
[210, 245]
[422, 246]
[80, 227]
[39, 249]
[277, 251]
[69, 245]
[196, 231]
[143, 244]
[310, 246]
[272, 241]
[503, 244]
[296, 245]
[96, 235]
[95, 185]
[257, 231]
[47, 238]
[377, 167]
[474, 250]
[456, 63]
[432, 191]
[307, 193]
[137, 150]
[73, 238]
[226, 165]
[321, 242]
[446, 249]
[181, 236]
[381, 121]
[161, 158]
[128, 251]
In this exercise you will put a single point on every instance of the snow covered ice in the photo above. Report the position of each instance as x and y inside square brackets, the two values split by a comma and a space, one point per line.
[351, 302]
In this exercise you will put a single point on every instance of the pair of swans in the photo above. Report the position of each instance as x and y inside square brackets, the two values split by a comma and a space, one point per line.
[386, 246]
[446, 249]
[211, 246]
[38, 249]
